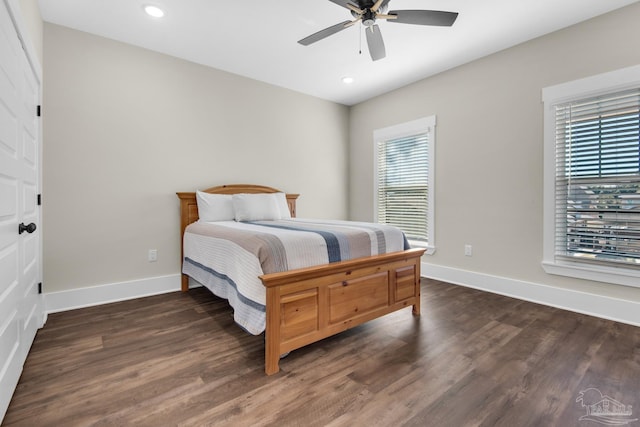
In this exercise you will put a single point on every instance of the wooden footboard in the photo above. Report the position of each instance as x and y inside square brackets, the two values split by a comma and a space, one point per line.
[307, 305]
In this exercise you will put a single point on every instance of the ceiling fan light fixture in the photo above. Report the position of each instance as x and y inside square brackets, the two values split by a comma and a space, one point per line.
[154, 11]
[368, 18]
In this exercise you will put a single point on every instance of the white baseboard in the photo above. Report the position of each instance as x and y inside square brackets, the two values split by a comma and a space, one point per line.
[580, 302]
[113, 292]
[605, 307]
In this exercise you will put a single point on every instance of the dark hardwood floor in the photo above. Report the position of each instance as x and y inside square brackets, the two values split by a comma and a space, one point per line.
[471, 359]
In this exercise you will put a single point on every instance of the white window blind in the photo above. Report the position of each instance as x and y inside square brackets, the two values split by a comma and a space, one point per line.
[403, 184]
[597, 180]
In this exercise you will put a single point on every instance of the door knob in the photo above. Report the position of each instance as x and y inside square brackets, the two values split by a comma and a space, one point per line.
[28, 228]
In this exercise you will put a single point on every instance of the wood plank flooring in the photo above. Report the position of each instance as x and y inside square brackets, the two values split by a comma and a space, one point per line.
[471, 359]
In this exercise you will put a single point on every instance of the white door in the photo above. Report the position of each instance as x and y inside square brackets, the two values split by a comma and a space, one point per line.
[21, 306]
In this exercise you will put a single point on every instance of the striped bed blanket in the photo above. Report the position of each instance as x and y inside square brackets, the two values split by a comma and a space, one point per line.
[228, 257]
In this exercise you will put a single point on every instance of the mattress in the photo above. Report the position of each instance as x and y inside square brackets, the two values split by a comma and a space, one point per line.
[228, 256]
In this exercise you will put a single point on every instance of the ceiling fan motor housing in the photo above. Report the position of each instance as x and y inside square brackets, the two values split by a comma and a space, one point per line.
[368, 18]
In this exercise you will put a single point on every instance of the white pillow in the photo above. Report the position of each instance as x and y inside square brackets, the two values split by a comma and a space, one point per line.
[283, 206]
[255, 207]
[215, 207]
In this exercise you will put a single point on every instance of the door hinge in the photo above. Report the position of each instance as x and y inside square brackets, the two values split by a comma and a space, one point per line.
[38, 111]
[39, 199]
[40, 287]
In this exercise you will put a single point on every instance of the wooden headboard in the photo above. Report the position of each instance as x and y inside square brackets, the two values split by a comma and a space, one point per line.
[189, 208]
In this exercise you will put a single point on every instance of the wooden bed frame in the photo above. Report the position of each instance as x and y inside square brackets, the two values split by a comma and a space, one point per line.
[306, 305]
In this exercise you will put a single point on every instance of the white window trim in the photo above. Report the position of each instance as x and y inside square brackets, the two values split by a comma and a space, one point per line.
[414, 127]
[618, 80]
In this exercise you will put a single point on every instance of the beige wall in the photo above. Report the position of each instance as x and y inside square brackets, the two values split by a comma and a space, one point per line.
[31, 14]
[489, 145]
[125, 128]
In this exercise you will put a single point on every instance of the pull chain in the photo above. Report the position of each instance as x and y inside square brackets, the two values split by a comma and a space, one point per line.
[360, 40]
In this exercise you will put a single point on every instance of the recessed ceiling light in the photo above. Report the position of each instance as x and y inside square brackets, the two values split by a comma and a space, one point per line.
[348, 80]
[154, 11]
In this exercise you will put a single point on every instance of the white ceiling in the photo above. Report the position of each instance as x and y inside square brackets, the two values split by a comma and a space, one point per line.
[258, 38]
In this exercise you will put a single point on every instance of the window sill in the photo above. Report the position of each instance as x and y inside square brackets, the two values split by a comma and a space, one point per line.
[619, 276]
[417, 244]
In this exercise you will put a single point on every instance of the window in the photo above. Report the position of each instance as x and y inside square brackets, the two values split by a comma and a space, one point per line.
[592, 178]
[404, 171]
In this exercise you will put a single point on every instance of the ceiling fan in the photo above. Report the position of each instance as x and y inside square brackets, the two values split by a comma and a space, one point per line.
[368, 11]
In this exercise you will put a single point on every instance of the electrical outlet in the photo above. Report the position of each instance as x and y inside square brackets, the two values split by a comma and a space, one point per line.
[468, 250]
[153, 255]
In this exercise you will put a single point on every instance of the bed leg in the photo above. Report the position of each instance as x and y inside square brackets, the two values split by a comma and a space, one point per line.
[185, 283]
[416, 307]
[271, 365]
[417, 283]
[271, 354]
[272, 332]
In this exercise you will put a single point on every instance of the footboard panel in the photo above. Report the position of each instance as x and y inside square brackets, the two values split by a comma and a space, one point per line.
[307, 305]
[358, 296]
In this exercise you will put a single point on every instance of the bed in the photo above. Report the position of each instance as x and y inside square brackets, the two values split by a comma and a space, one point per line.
[305, 305]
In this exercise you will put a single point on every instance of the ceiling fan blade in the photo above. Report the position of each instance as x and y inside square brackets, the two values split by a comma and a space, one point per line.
[343, 3]
[375, 42]
[424, 17]
[324, 33]
[384, 4]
